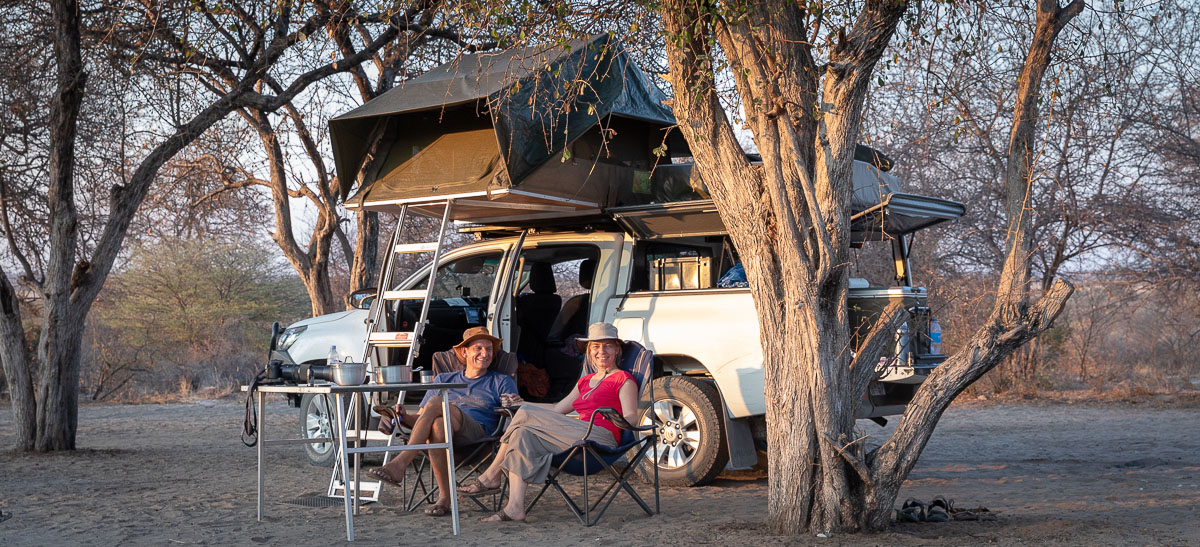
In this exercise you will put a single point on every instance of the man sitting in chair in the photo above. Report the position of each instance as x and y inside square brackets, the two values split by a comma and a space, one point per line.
[472, 412]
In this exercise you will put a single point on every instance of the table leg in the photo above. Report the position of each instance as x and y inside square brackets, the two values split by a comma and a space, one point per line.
[341, 424]
[452, 481]
[262, 413]
[358, 443]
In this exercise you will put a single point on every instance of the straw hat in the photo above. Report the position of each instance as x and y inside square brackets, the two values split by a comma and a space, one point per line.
[597, 332]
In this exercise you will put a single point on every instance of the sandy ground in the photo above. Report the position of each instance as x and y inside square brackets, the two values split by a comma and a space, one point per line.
[177, 474]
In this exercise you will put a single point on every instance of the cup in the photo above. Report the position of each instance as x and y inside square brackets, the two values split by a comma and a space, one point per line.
[426, 376]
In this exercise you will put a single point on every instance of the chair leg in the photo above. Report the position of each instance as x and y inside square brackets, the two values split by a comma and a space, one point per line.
[590, 513]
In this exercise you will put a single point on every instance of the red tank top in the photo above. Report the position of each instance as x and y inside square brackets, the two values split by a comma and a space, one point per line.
[606, 393]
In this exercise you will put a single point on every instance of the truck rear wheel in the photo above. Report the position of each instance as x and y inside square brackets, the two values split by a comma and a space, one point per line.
[691, 446]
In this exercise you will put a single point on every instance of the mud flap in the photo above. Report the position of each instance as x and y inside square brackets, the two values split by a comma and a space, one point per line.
[738, 440]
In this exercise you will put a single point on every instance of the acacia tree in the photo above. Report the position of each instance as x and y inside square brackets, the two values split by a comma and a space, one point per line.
[789, 219]
[284, 174]
[148, 33]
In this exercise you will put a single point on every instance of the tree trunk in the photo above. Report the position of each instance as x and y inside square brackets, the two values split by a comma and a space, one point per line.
[789, 222]
[18, 369]
[788, 219]
[366, 245]
[58, 348]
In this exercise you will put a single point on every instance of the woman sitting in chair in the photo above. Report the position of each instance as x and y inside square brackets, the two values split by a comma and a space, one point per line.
[538, 432]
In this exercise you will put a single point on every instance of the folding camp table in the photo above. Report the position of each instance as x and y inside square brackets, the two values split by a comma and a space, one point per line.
[344, 448]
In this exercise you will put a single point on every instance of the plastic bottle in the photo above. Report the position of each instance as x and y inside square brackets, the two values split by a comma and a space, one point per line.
[333, 356]
[935, 336]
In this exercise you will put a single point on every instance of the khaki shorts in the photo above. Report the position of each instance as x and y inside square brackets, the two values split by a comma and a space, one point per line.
[470, 430]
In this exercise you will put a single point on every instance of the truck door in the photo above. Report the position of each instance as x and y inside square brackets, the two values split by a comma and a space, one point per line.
[500, 308]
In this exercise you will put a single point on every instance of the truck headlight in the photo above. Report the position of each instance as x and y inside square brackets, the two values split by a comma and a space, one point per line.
[289, 337]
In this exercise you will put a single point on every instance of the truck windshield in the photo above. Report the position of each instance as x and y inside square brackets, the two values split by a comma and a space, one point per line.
[472, 277]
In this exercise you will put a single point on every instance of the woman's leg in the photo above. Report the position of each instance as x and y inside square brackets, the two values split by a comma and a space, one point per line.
[515, 508]
[491, 476]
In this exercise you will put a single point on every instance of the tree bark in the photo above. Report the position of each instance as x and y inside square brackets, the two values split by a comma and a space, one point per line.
[1014, 281]
[789, 221]
[58, 346]
[18, 369]
[362, 269]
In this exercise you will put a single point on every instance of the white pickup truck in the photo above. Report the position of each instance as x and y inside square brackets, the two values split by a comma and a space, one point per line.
[655, 272]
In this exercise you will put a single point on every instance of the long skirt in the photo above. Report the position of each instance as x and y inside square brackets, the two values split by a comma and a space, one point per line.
[536, 434]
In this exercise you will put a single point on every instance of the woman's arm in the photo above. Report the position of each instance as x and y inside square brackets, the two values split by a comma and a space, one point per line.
[566, 405]
[629, 396]
[562, 407]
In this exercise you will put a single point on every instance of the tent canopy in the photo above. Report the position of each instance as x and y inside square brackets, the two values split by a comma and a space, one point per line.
[551, 127]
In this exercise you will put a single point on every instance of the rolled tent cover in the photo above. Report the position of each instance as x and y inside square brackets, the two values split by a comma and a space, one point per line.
[583, 113]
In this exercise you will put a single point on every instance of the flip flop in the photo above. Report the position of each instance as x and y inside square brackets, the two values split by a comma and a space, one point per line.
[913, 510]
[503, 517]
[436, 511]
[379, 474]
[476, 488]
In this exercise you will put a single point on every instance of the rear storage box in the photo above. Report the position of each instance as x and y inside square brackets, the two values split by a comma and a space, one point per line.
[673, 274]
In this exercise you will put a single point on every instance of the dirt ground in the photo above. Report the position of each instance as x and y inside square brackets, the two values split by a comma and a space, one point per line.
[177, 474]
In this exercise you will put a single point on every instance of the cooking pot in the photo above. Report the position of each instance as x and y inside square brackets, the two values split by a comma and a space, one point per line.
[396, 374]
[348, 374]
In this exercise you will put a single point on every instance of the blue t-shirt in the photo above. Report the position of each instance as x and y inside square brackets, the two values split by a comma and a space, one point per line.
[481, 396]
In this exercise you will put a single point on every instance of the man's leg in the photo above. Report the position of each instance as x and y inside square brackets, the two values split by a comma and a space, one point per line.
[431, 414]
[438, 456]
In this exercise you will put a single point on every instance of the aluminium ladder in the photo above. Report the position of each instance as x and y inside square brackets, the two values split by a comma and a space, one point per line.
[379, 339]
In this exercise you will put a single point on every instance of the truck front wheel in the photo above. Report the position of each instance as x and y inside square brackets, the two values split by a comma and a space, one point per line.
[691, 445]
[317, 414]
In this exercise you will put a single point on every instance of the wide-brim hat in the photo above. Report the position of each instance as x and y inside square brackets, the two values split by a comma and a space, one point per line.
[478, 333]
[597, 332]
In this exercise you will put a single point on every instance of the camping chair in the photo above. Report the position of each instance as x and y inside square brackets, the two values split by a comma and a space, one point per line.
[585, 458]
[469, 458]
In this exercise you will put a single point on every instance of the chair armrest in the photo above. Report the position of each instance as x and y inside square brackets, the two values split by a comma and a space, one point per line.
[507, 411]
[618, 420]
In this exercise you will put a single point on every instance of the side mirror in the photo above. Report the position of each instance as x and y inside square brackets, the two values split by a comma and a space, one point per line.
[362, 298]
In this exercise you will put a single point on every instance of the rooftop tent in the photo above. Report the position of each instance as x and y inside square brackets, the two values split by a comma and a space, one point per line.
[543, 129]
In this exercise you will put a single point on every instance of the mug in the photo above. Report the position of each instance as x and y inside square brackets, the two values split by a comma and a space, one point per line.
[426, 376]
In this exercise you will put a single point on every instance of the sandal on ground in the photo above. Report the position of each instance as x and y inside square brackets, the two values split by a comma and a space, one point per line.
[912, 511]
[381, 474]
[503, 517]
[935, 513]
[436, 511]
[476, 488]
[908, 514]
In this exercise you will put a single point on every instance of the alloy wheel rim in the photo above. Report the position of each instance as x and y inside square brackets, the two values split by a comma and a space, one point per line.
[317, 425]
[678, 432]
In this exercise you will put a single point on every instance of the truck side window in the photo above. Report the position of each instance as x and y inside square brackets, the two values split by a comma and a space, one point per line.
[673, 266]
